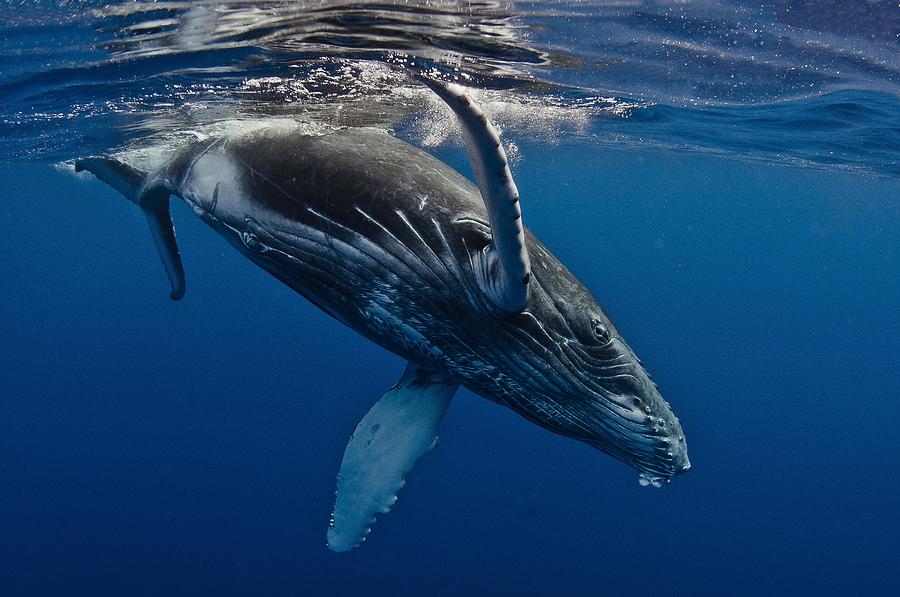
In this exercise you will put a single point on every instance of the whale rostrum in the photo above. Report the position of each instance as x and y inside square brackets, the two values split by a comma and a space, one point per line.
[406, 251]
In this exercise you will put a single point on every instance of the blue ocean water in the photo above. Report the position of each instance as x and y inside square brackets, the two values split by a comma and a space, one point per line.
[722, 176]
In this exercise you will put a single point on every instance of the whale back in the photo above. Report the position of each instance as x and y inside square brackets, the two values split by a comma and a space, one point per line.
[338, 173]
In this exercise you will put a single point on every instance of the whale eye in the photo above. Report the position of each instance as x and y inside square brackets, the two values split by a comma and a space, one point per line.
[253, 243]
[600, 331]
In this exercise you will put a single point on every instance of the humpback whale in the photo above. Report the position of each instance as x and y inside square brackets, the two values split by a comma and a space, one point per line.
[409, 253]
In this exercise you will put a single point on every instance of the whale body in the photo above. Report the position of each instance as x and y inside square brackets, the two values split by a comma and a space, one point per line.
[409, 253]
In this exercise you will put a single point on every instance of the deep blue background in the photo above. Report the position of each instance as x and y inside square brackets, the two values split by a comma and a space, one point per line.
[150, 447]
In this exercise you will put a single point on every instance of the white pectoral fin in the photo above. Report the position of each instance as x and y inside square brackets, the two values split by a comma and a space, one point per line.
[399, 429]
[507, 266]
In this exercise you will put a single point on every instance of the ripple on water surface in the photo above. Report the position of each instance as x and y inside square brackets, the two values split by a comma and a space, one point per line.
[797, 82]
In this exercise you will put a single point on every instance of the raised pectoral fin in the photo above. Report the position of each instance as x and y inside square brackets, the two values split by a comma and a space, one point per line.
[400, 428]
[508, 265]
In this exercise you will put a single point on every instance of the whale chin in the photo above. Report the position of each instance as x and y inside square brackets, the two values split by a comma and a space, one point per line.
[647, 438]
[682, 465]
[641, 432]
[657, 460]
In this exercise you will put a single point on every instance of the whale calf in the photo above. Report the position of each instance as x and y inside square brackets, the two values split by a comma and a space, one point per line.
[406, 251]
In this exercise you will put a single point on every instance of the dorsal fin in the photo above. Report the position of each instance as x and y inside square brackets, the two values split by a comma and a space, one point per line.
[153, 201]
[506, 267]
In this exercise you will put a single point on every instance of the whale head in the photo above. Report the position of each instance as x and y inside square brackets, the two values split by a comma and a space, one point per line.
[579, 378]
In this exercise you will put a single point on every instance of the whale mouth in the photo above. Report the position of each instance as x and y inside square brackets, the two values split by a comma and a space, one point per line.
[646, 479]
[675, 463]
[656, 480]
[637, 428]
[642, 432]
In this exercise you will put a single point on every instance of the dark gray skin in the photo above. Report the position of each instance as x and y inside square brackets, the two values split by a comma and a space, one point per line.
[382, 236]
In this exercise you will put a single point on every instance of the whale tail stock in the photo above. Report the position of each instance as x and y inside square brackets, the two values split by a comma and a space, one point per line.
[153, 199]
